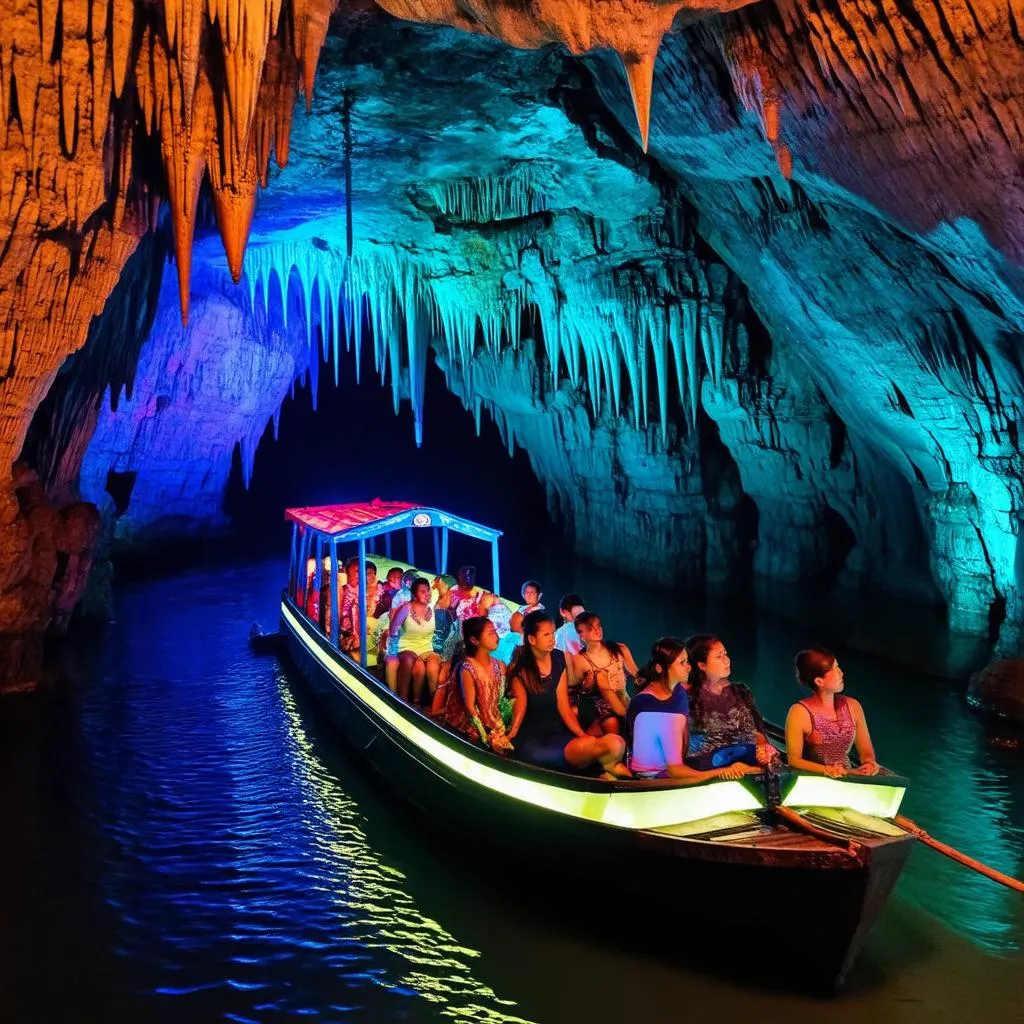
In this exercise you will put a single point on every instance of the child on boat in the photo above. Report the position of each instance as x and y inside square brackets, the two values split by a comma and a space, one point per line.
[822, 728]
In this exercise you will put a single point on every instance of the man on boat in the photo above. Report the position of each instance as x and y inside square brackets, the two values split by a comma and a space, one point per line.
[567, 639]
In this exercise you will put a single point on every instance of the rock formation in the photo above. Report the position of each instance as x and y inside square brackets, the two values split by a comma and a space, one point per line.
[787, 336]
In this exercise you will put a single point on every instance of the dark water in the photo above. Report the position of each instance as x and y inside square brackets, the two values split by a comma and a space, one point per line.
[185, 839]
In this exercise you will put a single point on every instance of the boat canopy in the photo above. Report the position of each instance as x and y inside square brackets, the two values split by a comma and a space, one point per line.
[318, 530]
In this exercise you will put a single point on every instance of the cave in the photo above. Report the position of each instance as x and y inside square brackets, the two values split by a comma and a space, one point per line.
[736, 284]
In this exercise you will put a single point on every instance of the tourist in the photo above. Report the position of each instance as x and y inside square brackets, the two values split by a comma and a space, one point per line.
[821, 729]
[725, 724]
[469, 698]
[413, 626]
[392, 584]
[531, 594]
[545, 726]
[602, 665]
[465, 591]
[567, 640]
[350, 615]
[656, 720]
[443, 617]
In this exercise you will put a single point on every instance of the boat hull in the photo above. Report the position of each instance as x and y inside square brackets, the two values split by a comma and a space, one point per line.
[735, 899]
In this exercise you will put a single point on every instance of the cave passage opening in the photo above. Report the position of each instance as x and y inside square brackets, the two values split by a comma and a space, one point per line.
[354, 447]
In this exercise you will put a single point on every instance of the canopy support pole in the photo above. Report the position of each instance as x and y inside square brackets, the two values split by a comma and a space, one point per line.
[303, 591]
[444, 549]
[363, 654]
[318, 581]
[494, 566]
[293, 571]
[410, 546]
[335, 607]
[387, 546]
[437, 552]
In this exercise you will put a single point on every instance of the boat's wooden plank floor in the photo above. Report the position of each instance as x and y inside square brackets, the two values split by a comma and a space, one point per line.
[749, 829]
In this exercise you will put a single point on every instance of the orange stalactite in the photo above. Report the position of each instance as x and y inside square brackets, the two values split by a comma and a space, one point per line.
[234, 201]
[632, 28]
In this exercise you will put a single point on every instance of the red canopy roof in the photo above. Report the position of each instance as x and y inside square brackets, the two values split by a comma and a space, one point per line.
[338, 518]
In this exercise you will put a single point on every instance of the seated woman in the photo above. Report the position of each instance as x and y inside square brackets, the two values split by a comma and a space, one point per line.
[530, 592]
[601, 665]
[443, 615]
[545, 725]
[725, 725]
[468, 699]
[392, 584]
[350, 616]
[821, 729]
[413, 626]
[465, 595]
[656, 720]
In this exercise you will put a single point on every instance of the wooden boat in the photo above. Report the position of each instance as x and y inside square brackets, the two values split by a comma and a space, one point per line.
[720, 862]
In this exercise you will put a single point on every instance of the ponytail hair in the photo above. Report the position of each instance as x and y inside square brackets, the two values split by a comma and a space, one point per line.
[663, 653]
[811, 664]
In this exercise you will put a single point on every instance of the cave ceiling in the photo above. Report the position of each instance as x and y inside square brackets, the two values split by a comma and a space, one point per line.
[650, 182]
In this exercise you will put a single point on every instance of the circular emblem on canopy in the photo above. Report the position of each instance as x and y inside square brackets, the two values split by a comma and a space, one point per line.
[421, 519]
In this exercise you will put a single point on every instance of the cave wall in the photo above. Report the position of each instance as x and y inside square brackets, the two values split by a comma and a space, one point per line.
[759, 305]
[199, 392]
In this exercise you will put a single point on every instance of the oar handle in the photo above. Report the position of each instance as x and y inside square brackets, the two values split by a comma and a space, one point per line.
[961, 858]
[797, 821]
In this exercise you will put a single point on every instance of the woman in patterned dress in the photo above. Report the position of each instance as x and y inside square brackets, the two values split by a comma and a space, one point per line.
[468, 699]
[725, 724]
[821, 729]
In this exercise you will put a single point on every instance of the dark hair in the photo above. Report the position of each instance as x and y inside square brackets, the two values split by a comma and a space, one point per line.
[408, 576]
[355, 561]
[420, 582]
[469, 571]
[530, 583]
[698, 647]
[570, 601]
[588, 618]
[524, 661]
[663, 654]
[394, 568]
[472, 629]
[812, 664]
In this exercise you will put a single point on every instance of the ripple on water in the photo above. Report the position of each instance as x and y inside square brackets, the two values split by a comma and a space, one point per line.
[218, 866]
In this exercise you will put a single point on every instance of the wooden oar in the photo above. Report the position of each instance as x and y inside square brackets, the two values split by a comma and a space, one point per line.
[961, 858]
[775, 733]
[795, 820]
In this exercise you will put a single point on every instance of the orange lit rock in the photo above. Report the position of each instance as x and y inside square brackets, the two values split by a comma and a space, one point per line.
[632, 28]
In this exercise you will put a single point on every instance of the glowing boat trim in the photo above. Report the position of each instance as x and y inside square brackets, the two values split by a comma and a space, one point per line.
[641, 809]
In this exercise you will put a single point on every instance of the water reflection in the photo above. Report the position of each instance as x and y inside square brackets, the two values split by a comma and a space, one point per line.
[189, 840]
[963, 790]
